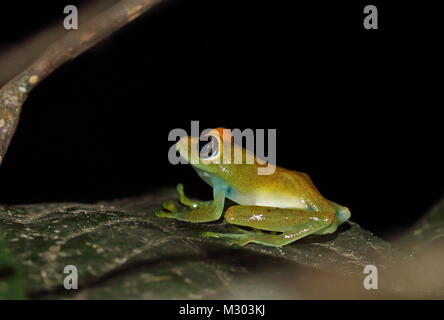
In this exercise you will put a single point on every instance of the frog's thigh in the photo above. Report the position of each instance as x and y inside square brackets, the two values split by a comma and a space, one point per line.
[294, 223]
[275, 219]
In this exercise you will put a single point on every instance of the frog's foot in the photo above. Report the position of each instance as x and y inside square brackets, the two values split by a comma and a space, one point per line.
[251, 232]
[204, 213]
[170, 210]
[169, 207]
[193, 211]
[271, 239]
[163, 214]
[238, 239]
[241, 238]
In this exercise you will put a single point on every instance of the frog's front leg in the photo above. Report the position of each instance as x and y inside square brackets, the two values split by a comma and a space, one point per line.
[293, 223]
[195, 211]
[187, 201]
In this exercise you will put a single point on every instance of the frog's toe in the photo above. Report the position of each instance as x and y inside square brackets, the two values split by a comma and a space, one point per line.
[169, 214]
[161, 214]
[208, 234]
[169, 205]
[180, 189]
[245, 231]
[233, 238]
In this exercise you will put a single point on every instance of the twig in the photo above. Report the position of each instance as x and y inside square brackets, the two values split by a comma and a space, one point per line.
[15, 92]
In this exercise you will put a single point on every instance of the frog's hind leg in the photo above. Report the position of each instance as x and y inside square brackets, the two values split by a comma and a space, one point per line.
[293, 223]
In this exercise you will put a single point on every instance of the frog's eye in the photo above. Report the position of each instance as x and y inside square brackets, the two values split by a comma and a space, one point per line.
[209, 149]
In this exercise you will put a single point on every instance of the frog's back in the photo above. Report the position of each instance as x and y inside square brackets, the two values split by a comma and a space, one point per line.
[284, 189]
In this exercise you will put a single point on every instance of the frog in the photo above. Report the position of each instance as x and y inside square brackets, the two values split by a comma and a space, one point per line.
[270, 209]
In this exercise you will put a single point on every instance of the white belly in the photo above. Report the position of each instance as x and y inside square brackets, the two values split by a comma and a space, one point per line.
[268, 200]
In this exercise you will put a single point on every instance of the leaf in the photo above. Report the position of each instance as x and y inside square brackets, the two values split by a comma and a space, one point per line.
[121, 250]
[11, 284]
[428, 229]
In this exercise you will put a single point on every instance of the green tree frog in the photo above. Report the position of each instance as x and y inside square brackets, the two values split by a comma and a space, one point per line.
[278, 209]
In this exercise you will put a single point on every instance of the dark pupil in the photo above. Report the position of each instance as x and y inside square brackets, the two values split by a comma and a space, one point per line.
[208, 148]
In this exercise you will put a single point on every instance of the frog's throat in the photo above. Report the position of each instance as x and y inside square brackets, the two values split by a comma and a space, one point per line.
[208, 177]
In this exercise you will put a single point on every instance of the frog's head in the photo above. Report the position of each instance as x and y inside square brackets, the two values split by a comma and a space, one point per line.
[213, 158]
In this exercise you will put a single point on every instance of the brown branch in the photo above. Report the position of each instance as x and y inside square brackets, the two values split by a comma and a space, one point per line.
[15, 92]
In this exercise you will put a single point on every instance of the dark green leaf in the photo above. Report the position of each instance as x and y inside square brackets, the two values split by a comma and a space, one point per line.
[11, 283]
[426, 231]
[121, 250]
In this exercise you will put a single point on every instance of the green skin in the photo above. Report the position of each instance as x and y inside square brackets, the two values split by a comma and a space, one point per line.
[286, 202]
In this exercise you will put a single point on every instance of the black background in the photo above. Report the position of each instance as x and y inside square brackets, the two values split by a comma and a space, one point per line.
[353, 108]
